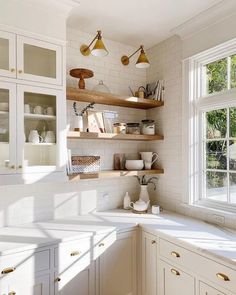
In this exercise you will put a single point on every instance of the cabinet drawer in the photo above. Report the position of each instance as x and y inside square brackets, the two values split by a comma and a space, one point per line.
[25, 263]
[207, 290]
[67, 254]
[216, 272]
[102, 242]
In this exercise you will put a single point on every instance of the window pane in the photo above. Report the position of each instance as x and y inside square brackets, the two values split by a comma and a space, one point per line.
[216, 186]
[216, 155]
[216, 124]
[232, 179]
[232, 154]
[232, 120]
[233, 71]
[216, 76]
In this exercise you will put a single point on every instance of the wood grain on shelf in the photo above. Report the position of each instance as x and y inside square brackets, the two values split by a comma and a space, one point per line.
[111, 99]
[112, 136]
[114, 173]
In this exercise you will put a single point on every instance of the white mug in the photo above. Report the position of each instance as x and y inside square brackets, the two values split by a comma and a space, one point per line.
[147, 165]
[38, 110]
[34, 137]
[149, 157]
[27, 109]
[49, 111]
[156, 209]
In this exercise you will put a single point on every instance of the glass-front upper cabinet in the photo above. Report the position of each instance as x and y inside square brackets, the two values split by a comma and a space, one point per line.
[40, 130]
[39, 61]
[7, 128]
[7, 54]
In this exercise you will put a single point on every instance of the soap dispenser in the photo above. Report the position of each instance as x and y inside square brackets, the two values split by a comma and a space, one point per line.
[126, 201]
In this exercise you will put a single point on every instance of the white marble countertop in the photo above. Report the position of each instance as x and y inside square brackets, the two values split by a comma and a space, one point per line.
[210, 240]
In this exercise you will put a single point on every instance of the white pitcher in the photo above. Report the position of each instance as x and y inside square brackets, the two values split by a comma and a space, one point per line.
[34, 137]
[50, 137]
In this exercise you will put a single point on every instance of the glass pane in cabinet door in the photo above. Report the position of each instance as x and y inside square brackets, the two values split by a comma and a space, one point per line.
[4, 128]
[4, 56]
[39, 61]
[40, 129]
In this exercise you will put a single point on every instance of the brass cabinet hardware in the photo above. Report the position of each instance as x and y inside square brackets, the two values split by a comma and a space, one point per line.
[153, 242]
[75, 253]
[12, 166]
[175, 254]
[20, 167]
[175, 272]
[12, 70]
[20, 71]
[222, 277]
[57, 279]
[101, 245]
[12, 293]
[8, 270]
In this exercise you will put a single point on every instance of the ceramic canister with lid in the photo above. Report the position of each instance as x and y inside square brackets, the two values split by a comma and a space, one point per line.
[148, 127]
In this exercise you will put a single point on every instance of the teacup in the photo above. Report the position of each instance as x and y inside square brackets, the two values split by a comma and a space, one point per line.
[27, 109]
[49, 111]
[38, 110]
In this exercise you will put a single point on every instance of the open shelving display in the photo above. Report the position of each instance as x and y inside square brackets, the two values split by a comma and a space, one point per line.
[114, 173]
[76, 94]
[112, 136]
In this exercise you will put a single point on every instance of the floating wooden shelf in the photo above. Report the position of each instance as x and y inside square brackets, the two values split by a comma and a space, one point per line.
[112, 136]
[111, 99]
[114, 173]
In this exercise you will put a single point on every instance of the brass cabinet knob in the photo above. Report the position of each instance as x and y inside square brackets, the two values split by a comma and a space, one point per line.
[20, 71]
[153, 242]
[175, 272]
[57, 279]
[12, 70]
[101, 245]
[20, 167]
[12, 293]
[75, 253]
[12, 166]
[8, 270]
[222, 277]
[175, 254]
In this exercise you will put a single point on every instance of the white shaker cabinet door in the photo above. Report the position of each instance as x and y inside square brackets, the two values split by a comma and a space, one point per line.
[174, 281]
[118, 267]
[8, 54]
[149, 264]
[208, 290]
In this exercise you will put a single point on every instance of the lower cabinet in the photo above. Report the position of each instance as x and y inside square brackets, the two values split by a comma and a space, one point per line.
[117, 267]
[149, 264]
[174, 281]
[205, 289]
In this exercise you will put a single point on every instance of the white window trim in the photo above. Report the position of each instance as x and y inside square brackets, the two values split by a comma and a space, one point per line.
[195, 101]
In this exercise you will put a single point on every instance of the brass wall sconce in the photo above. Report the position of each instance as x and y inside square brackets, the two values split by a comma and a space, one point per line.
[99, 48]
[142, 62]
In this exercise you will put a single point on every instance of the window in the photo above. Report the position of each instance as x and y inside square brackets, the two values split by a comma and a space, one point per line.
[210, 137]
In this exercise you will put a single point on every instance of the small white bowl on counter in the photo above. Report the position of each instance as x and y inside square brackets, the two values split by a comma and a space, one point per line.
[134, 164]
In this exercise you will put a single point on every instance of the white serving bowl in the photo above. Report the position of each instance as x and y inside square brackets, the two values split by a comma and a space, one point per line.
[134, 164]
[4, 106]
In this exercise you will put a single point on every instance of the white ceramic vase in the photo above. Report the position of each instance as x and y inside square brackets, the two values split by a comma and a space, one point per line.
[144, 193]
[79, 124]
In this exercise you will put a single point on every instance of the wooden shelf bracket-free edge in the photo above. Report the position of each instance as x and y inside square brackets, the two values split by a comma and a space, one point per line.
[111, 99]
[114, 174]
[113, 136]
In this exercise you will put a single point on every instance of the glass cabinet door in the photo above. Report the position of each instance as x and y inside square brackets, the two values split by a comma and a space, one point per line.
[7, 128]
[39, 127]
[39, 61]
[7, 54]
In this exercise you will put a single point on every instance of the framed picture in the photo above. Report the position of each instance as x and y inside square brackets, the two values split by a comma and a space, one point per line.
[96, 122]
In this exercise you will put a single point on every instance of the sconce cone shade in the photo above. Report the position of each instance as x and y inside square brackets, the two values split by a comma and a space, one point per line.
[99, 49]
[142, 62]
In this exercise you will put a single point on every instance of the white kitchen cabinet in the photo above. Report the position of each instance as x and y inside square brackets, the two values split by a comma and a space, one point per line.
[118, 266]
[149, 264]
[173, 280]
[39, 61]
[205, 289]
[8, 54]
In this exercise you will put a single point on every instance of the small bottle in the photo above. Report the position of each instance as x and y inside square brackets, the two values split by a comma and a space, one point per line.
[126, 201]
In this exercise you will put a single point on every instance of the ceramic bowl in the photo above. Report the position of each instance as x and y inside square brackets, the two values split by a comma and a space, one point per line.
[134, 164]
[4, 106]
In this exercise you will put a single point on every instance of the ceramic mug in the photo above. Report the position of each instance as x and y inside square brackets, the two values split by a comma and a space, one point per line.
[149, 158]
[49, 111]
[50, 137]
[38, 110]
[34, 137]
[156, 209]
[27, 109]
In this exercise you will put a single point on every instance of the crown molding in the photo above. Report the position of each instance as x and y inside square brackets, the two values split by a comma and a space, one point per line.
[213, 15]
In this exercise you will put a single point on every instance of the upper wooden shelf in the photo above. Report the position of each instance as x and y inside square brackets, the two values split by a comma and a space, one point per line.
[111, 99]
[112, 136]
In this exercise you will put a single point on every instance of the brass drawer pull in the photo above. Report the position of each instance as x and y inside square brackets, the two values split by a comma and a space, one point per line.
[57, 279]
[20, 71]
[222, 277]
[175, 254]
[12, 71]
[175, 272]
[101, 245]
[8, 270]
[75, 253]
[153, 242]
[12, 293]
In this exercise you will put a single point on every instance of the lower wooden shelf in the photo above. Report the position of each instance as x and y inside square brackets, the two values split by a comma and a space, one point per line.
[114, 173]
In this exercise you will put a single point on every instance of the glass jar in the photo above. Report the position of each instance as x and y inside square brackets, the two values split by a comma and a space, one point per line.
[133, 128]
[119, 128]
[148, 127]
[101, 87]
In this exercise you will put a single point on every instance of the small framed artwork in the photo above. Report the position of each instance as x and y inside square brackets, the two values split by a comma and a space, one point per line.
[96, 122]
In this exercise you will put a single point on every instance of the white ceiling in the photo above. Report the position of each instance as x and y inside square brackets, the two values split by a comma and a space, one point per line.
[135, 22]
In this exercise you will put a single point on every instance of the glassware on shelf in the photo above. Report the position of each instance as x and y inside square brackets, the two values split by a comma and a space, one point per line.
[101, 87]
